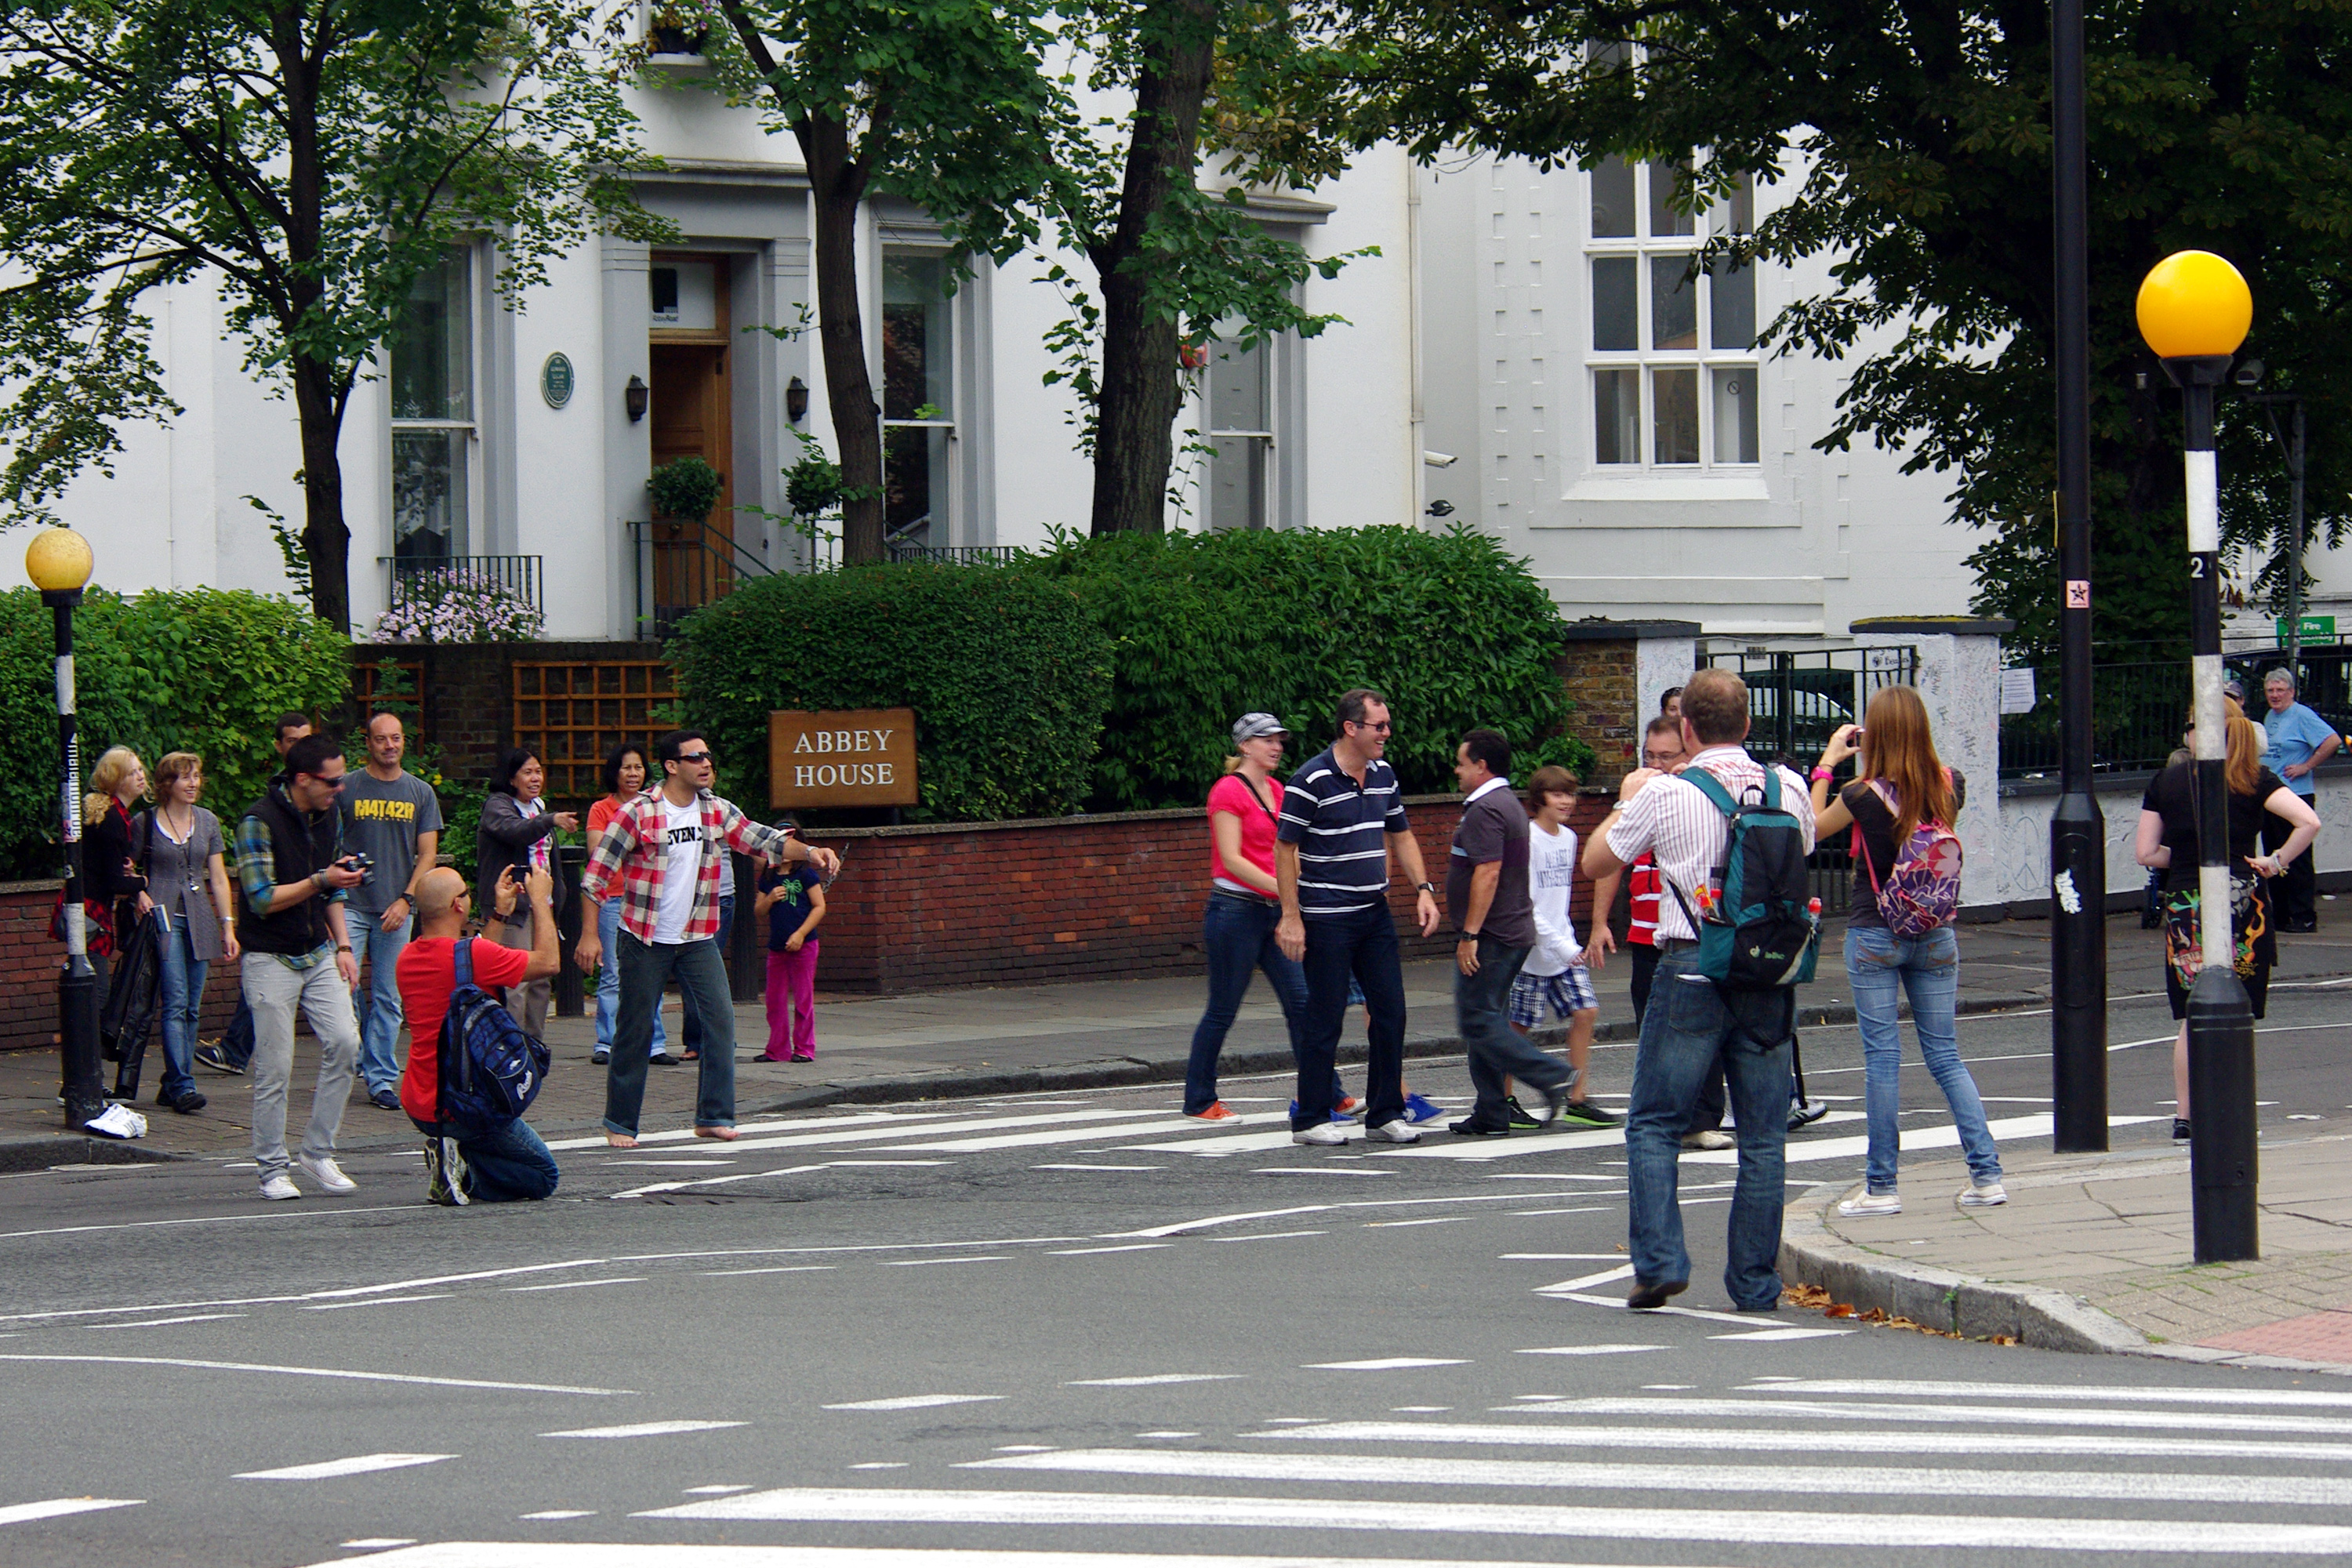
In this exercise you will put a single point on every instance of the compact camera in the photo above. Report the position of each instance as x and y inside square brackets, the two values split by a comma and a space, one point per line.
[363, 863]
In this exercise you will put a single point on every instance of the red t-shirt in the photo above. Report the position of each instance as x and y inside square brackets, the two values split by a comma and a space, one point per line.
[1645, 894]
[1232, 794]
[427, 972]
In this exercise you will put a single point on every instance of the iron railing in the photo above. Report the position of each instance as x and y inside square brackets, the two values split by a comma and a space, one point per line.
[2139, 710]
[954, 554]
[682, 566]
[412, 578]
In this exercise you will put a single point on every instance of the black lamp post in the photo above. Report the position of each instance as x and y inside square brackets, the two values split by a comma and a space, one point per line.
[59, 562]
[2194, 309]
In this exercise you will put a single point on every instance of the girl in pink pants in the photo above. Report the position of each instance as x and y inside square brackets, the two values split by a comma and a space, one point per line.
[793, 902]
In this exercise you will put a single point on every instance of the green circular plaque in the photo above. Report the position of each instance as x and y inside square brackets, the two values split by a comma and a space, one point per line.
[556, 379]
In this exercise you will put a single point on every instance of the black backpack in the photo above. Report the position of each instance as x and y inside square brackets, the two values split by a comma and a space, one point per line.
[1763, 932]
[490, 1069]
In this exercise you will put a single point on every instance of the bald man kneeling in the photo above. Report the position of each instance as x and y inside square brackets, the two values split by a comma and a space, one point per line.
[504, 1164]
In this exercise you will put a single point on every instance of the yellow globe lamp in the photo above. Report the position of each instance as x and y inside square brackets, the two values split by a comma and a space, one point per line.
[2194, 305]
[57, 560]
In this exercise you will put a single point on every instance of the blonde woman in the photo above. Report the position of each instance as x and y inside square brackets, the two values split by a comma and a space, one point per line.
[110, 863]
[2166, 841]
[187, 879]
[1899, 784]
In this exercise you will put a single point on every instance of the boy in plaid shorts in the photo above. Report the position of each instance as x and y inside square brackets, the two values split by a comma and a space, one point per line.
[1555, 977]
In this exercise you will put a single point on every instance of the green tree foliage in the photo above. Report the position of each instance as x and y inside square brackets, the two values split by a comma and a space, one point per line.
[311, 158]
[1915, 147]
[205, 670]
[1207, 628]
[1008, 677]
[942, 102]
[1171, 262]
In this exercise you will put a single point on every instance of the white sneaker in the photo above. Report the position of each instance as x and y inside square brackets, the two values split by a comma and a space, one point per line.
[1710, 1139]
[1329, 1135]
[330, 1174]
[1990, 1195]
[1397, 1131]
[280, 1187]
[1865, 1204]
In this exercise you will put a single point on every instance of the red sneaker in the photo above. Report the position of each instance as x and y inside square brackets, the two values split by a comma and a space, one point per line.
[1219, 1112]
[1345, 1103]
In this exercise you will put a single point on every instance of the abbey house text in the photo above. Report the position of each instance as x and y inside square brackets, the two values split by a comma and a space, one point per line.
[863, 757]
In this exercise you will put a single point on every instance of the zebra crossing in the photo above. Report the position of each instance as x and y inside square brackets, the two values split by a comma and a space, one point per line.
[1850, 1468]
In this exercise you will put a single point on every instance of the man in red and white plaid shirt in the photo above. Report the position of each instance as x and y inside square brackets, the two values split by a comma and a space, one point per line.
[666, 850]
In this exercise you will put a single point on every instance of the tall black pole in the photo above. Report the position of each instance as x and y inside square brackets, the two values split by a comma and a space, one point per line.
[77, 1065]
[2078, 836]
[2294, 549]
[2221, 1160]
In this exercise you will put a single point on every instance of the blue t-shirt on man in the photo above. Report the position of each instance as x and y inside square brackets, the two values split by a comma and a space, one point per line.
[1343, 859]
[2295, 735]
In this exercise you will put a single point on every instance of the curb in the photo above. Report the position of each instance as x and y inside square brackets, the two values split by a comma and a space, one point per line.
[1118, 1072]
[21, 1154]
[1811, 1254]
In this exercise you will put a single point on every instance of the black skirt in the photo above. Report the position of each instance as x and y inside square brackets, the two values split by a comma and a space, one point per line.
[2252, 925]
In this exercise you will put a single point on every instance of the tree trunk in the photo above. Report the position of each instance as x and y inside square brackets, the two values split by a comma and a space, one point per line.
[325, 538]
[1135, 413]
[319, 390]
[838, 185]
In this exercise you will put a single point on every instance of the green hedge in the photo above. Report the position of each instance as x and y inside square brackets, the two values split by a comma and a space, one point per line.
[1007, 674]
[206, 671]
[1452, 630]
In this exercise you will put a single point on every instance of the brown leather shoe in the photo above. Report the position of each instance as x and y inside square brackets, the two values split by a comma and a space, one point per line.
[1648, 1293]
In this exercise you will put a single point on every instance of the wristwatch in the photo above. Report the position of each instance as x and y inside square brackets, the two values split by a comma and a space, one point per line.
[1429, 888]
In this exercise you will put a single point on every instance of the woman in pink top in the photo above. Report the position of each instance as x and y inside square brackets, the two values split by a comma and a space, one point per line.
[1238, 931]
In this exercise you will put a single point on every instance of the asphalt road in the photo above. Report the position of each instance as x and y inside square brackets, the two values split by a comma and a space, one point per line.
[1042, 1330]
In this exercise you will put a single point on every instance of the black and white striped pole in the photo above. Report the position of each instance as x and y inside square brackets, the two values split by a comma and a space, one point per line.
[59, 562]
[2194, 309]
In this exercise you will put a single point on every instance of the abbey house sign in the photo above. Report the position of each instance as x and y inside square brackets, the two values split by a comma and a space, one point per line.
[863, 757]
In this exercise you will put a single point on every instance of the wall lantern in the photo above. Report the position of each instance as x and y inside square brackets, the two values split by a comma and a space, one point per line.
[795, 400]
[635, 397]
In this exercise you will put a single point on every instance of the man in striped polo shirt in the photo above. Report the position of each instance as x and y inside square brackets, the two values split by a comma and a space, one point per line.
[1340, 815]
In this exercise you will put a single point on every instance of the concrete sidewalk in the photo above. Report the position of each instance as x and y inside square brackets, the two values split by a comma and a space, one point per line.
[2091, 1254]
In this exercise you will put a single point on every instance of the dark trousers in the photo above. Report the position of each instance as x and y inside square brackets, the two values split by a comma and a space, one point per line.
[1237, 935]
[2294, 896]
[509, 1165]
[645, 969]
[1363, 944]
[1707, 1116]
[1482, 1009]
[237, 1044]
[691, 1033]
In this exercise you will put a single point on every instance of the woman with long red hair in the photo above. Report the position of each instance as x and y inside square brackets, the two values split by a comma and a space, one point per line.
[1900, 786]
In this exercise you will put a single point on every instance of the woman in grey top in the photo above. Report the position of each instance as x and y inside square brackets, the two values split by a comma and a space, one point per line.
[187, 876]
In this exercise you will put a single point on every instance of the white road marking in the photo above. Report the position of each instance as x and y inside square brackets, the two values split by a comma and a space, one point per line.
[1622, 1271]
[165, 1323]
[1787, 1481]
[983, 1132]
[1441, 1219]
[1781, 1441]
[886, 1121]
[57, 1508]
[357, 1465]
[561, 1513]
[1229, 1144]
[646, 1429]
[636, 1554]
[1089, 1251]
[1951, 1415]
[1592, 1350]
[774, 1269]
[318, 1371]
[2007, 1130]
[1914, 1390]
[1182, 1227]
[1562, 1256]
[208, 1219]
[1747, 1319]
[927, 1262]
[721, 1491]
[1530, 1213]
[1086, 1135]
[881, 1465]
[378, 1301]
[1786, 1334]
[1267, 1236]
[694, 1164]
[579, 1284]
[754, 1175]
[1214, 1220]
[1878, 1531]
[917, 1402]
[1154, 1380]
[1098, 1167]
[377, 1542]
[1384, 1364]
[1166, 1434]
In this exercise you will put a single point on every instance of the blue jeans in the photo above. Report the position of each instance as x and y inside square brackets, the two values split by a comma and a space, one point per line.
[376, 1001]
[1238, 935]
[691, 1031]
[237, 1040]
[608, 980]
[180, 996]
[1361, 943]
[1482, 1009]
[1688, 1025]
[1881, 965]
[510, 1165]
[646, 968]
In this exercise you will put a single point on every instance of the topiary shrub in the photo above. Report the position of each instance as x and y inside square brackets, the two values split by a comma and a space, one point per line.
[206, 671]
[1008, 677]
[1453, 631]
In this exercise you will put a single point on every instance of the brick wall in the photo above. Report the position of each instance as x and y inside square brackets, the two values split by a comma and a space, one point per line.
[1077, 898]
[29, 964]
[1599, 678]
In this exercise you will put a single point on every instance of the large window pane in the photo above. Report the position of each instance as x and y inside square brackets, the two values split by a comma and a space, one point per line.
[428, 493]
[432, 346]
[1238, 394]
[914, 484]
[1734, 414]
[916, 346]
[1616, 416]
[1674, 400]
[1673, 304]
[1612, 200]
[1731, 306]
[1735, 215]
[1665, 183]
[1237, 466]
[1615, 325]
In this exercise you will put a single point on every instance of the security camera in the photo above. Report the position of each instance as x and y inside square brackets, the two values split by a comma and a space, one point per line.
[1441, 508]
[1440, 459]
[2249, 373]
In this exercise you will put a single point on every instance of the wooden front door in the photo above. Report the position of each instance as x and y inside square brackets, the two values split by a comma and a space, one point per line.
[692, 416]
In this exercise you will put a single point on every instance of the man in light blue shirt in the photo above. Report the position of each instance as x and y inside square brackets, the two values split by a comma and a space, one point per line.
[2300, 740]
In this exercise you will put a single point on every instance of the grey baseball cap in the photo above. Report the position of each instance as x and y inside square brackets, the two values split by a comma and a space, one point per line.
[1250, 726]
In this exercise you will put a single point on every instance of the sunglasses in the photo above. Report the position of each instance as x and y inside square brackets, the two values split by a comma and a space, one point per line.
[694, 756]
[1383, 728]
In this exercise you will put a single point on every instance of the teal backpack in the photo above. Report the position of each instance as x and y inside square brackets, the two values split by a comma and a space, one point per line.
[1763, 932]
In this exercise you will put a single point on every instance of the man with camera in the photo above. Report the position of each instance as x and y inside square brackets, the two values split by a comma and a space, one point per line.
[293, 878]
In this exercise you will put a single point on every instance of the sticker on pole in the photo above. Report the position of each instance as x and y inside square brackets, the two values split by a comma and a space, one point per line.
[2078, 594]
